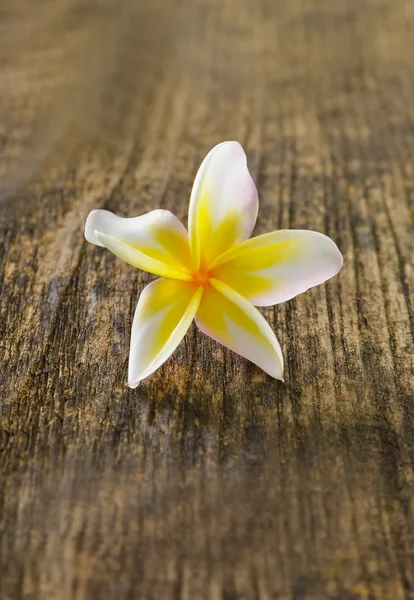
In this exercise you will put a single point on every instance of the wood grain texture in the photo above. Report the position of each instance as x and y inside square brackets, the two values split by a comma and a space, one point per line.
[210, 480]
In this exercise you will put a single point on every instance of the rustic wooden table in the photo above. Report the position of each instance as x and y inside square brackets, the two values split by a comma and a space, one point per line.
[210, 480]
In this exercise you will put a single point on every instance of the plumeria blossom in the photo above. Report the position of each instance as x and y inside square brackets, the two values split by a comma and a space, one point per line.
[213, 273]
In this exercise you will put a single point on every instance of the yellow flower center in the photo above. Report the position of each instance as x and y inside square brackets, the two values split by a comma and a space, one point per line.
[201, 277]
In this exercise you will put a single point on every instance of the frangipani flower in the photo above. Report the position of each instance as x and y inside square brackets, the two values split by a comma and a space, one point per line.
[214, 273]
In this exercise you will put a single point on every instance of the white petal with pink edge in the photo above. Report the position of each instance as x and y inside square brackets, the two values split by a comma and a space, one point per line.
[275, 267]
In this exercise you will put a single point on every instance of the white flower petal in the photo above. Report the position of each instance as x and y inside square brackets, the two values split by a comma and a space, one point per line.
[223, 205]
[232, 321]
[163, 315]
[275, 267]
[156, 242]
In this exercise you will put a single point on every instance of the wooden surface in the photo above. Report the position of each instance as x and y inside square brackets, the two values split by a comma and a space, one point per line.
[211, 480]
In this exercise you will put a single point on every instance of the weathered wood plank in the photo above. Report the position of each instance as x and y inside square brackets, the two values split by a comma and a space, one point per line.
[210, 480]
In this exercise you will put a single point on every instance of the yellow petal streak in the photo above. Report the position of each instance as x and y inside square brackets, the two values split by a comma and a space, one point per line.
[231, 320]
[172, 248]
[247, 271]
[209, 239]
[147, 259]
[163, 315]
